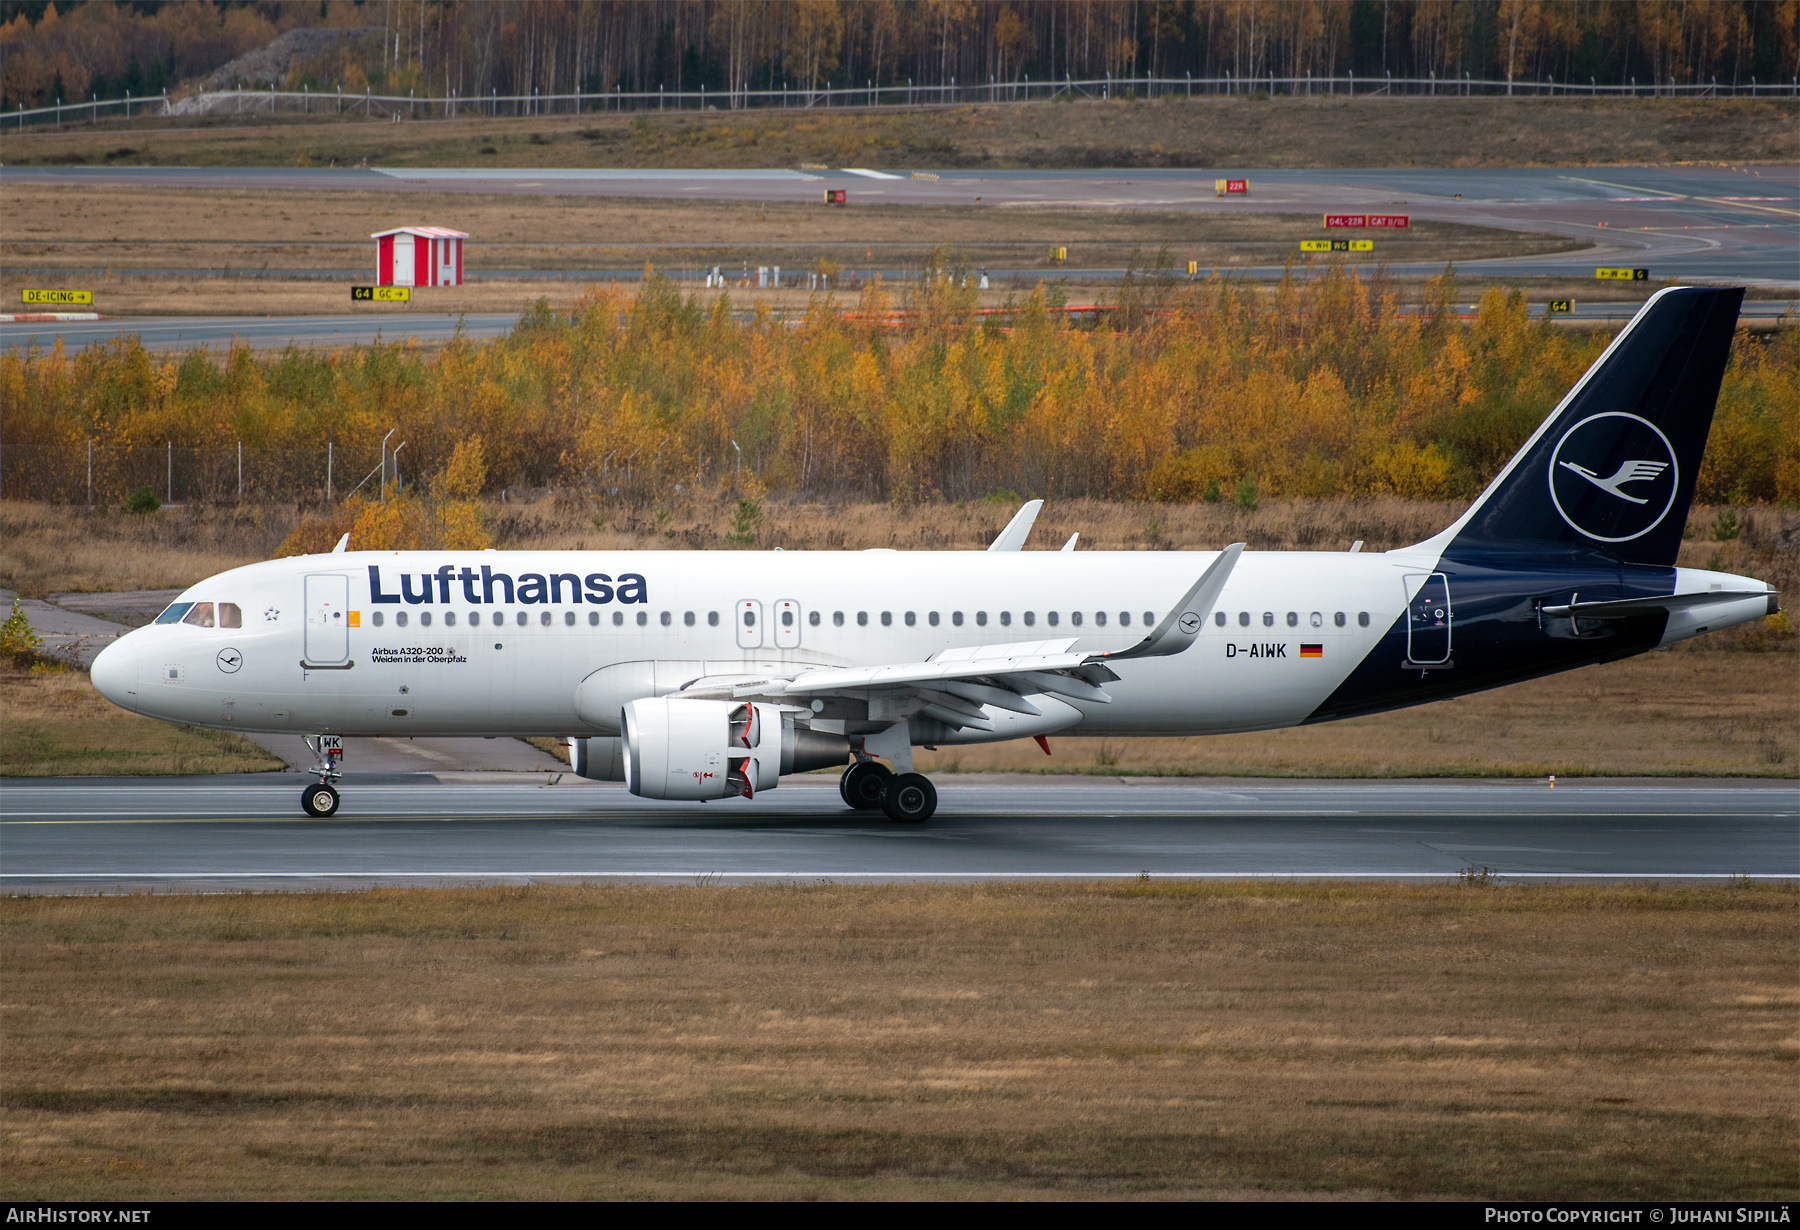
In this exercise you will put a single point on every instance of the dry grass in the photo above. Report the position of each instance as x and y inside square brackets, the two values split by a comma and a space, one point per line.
[53, 548]
[154, 226]
[1234, 133]
[131, 234]
[54, 724]
[49, 548]
[1028, 1041]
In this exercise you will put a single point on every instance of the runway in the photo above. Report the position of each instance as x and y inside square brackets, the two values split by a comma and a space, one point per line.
[231, 833]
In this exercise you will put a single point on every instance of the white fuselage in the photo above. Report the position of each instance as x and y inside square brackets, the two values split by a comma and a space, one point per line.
[315, 653]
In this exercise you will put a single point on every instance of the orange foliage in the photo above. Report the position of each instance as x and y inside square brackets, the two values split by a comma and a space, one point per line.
[1318, 388]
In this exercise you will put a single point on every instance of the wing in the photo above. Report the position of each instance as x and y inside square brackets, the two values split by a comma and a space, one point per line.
[957, 684]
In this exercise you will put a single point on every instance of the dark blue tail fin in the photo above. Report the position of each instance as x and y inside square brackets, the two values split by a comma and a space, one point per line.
[1612, 469]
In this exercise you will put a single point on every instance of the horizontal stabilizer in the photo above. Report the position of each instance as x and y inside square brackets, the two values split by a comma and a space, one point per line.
[1625, 608]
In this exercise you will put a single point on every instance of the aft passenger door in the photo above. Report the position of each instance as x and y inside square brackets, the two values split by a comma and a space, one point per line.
[1428, 619]
[327, 618]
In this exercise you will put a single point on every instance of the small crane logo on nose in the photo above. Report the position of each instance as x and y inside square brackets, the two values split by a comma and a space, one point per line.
[229, 660]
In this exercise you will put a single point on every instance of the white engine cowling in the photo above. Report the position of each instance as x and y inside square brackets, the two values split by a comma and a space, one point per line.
[700, 749]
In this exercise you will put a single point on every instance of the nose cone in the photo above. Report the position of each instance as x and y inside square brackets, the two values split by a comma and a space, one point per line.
[115, 673]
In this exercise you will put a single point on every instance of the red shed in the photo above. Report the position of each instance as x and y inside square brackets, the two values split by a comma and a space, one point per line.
[419, 256]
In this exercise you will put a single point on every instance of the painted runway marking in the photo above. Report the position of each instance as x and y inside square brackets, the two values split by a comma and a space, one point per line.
[894, 875]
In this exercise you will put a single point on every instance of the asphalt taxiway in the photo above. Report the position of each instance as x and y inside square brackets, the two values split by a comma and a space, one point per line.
[162, 333]
[1735, 223]
[232, 833]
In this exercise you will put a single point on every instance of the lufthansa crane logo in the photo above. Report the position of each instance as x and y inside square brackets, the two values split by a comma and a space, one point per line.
[1613, 477]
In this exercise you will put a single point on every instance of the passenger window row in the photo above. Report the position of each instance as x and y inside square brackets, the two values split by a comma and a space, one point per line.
[667, 619]
[1316, 619]
[1029, 618]
[545, 619]
[229, 616]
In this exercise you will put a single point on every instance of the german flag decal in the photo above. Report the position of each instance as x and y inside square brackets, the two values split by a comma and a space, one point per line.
[1312, 651]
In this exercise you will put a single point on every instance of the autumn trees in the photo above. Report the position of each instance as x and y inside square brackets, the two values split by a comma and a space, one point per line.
[438, 48]
[1309, 388]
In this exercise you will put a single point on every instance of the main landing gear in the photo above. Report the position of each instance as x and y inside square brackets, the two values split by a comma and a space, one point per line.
[909, 798]
[320, 799]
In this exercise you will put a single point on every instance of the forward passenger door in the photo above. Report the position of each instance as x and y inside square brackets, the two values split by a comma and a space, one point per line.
[327, 618]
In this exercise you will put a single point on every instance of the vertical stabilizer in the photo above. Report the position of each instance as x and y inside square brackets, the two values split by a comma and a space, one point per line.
[1612, 469]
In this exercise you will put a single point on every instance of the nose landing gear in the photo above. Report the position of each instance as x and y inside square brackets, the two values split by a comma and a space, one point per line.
[321, 799]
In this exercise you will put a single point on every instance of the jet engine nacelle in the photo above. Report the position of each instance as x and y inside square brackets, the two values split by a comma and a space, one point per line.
[701, 749]
[599, 758]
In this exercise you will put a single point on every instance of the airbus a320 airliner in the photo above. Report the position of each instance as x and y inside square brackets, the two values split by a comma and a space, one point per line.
[710, 675]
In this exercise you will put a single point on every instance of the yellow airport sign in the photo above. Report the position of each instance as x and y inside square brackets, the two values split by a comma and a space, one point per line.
[1622, 275]
[59, 298]
[381, 294]
[1193, 269]
[1337, 245]
[1558, 306]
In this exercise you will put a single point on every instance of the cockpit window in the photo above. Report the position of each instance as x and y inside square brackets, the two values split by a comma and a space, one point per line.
[230, 615]
[201, 616]
[174, 613]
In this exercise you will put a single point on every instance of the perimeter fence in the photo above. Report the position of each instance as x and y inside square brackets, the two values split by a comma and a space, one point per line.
[109, 474]
[868, 95]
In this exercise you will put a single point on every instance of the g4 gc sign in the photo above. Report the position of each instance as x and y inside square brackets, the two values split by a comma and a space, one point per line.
[381, 294]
